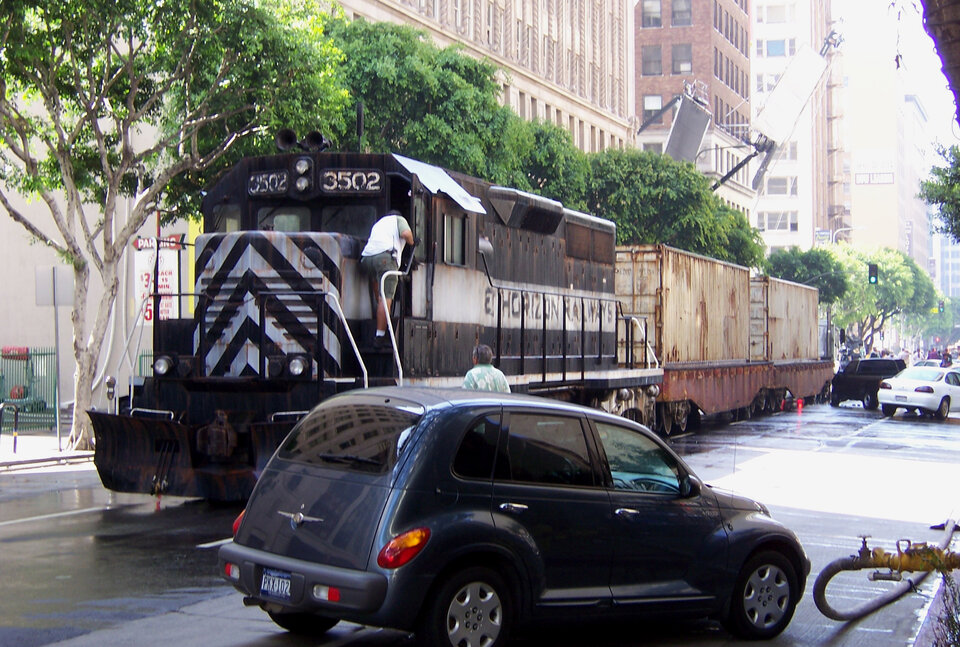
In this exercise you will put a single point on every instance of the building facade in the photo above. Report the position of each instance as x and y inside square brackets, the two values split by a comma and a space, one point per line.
[569, 62]
[703, 46]
[888, 141]
[803, 184]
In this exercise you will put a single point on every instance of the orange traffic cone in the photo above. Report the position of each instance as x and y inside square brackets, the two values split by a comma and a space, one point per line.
[800, 405]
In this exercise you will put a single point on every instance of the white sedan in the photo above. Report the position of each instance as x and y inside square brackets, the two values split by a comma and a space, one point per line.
[932, 390]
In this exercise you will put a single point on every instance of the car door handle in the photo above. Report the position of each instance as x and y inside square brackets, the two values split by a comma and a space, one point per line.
[626, 513]
[513, 507]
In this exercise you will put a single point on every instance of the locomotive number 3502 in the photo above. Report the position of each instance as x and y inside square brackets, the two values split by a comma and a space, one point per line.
[351, 180]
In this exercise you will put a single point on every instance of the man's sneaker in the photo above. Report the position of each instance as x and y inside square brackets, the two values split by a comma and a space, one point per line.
[381, 342]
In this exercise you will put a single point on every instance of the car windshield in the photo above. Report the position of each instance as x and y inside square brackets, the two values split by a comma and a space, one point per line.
[357, 436]
[922, 373]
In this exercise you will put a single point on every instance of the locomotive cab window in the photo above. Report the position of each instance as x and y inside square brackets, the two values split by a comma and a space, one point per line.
[283, 219]
[226, 218]
[454, 230]
[351, 219]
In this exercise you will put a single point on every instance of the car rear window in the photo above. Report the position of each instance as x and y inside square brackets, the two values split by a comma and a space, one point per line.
[356, 437]
[925, 373]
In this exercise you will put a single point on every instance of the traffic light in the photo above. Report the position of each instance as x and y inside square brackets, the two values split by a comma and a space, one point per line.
[940, 307]
[872, 273]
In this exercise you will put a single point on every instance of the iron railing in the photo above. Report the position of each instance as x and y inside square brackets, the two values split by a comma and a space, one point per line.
[28, 380]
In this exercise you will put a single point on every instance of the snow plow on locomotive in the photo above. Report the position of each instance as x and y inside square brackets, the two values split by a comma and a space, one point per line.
[281, 316]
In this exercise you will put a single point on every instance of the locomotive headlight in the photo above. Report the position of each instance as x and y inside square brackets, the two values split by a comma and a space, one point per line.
[303, 184]
[297, 366]
[162, 365]
[302, 166]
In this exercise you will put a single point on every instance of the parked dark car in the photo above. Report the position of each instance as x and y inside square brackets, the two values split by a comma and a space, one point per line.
[462, 514]
[860, 380]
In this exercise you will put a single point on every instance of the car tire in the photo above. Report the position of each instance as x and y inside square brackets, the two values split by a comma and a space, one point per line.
[870, 401]
[303, 624]
[764, 598]
[834, 401]
[472, 607]
[888, 409]
[943, 410]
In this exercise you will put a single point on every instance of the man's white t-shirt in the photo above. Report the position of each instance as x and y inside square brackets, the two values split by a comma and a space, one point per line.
[385, 237]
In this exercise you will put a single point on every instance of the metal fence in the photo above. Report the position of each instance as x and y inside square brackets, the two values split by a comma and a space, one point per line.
[28, 379]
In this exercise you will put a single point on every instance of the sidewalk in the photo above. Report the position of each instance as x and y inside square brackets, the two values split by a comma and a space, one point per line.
[36, 448]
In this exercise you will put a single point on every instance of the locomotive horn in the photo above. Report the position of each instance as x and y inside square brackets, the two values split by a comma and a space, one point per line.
[314, 141]
[286, 139]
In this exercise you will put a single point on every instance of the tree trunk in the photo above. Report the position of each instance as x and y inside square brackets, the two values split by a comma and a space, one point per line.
[87, 355]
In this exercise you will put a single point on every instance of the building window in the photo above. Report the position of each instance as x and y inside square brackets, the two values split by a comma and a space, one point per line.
[681, 13]
[652, 61]
[776, 48]
[652, 104]
[651, 13]
[682, 58]
[777, 221]
[781, 186]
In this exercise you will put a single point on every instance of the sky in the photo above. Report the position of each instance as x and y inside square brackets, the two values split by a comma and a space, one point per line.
[892, 27]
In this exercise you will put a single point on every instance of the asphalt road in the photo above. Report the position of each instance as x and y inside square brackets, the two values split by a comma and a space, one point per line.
[84, 567]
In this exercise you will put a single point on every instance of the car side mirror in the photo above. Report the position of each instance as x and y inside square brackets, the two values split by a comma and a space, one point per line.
[691, 487]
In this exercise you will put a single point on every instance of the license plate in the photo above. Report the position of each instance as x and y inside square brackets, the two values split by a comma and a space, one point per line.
[275, 584]
[900, 398]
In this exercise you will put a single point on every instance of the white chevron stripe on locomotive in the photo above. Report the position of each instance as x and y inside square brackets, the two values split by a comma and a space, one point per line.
[242, 332]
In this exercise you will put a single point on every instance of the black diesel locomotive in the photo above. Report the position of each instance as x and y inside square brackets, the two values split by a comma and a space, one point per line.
[281, 316]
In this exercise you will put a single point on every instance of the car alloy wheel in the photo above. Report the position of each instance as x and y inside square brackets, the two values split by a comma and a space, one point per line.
[764, 598]
[471, 609]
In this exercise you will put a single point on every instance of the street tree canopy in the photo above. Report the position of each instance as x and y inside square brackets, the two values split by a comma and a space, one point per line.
[816, 266]
[943, 192]
[654, 199]
[104, 101]
[902, 288]
[434, 104]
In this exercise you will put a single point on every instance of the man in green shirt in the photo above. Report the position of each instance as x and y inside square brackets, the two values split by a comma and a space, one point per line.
[484, 376]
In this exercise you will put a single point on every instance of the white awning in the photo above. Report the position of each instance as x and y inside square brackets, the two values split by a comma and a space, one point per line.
[438, 181]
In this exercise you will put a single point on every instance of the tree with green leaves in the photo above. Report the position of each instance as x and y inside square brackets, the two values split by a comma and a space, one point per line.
[817, 266]
[902, 288]
[943, 192]
[555, 167]
[434, 104]
[105, 104]
[654, 199]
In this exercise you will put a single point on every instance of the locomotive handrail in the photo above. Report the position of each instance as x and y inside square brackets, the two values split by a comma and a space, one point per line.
[647, 350]
[165, 412]
[564, 296]
[383, 299]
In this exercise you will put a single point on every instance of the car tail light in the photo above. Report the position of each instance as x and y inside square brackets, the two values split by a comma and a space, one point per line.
[885, 385]
[238, 521]
[924, 389]
[402, 548]
[232, 571]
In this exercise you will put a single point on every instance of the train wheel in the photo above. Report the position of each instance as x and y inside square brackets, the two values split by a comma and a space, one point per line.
[681, 421]
[664, 420]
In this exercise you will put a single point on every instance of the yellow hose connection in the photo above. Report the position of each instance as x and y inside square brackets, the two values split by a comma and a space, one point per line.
[909, 557]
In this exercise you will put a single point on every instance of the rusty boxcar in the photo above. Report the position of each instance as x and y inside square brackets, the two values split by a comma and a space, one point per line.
[727, 342]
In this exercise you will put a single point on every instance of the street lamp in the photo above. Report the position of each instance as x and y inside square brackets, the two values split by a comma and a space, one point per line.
[833, 238]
